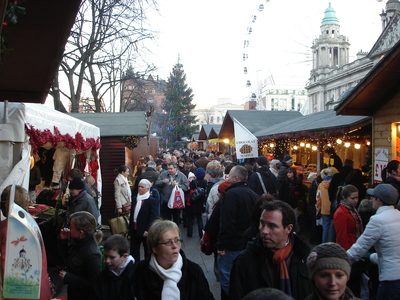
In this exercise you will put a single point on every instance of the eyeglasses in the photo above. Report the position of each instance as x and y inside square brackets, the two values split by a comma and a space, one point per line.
[169, 243]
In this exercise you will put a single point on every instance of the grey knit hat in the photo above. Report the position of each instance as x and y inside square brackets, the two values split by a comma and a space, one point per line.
[328, 256]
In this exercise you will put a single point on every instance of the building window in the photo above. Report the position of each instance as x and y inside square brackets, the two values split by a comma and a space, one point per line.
[212, 119]
[218, 119]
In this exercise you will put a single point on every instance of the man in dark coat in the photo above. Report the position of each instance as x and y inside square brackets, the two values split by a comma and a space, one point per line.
[274, 251]
[263, 173]
[80, 199]
[150, 174]
[236, 212]
[339, 178]
[283, 166]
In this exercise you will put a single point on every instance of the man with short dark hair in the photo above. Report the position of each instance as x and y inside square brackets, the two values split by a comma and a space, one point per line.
[236, 212]
[166, 183]
[275, 258]
[262, 181]
[383, 233]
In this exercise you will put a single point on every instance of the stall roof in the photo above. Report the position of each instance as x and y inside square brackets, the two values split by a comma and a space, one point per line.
[116, 124]
[40, 117]
[205, 131]
[320, 124]
[37, 40]
[376, 88]
[214, 132]
[254, 120]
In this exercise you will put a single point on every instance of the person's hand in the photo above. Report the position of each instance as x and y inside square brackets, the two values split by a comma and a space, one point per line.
[145, 234]
[366, 256]
[64, 233]
[166, 180]
[221, 253]
[61, 274]
[119, 210]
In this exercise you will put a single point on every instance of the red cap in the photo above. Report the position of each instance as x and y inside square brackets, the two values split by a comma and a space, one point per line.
[223, 186]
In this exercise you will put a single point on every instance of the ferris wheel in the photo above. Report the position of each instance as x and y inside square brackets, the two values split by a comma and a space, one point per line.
[248, 69]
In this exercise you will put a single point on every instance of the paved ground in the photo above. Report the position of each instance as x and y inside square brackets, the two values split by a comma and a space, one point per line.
[191, 247]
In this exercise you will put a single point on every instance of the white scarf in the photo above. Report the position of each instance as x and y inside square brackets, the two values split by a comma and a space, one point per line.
[170, 276]
[139, 199]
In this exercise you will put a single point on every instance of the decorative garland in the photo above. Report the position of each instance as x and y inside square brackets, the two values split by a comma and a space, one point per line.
[131, 141]
[39, 138]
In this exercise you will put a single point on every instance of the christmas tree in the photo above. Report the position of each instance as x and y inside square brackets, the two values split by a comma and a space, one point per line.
[176, 123]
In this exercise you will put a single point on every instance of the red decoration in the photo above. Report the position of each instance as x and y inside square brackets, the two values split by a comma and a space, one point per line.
[39, 138]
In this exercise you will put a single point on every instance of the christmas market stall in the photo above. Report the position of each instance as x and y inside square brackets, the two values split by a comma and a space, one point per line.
[307, 139]
[208, 139]
[378, 95]
[125, 137]
[239, 126]
[35, 139]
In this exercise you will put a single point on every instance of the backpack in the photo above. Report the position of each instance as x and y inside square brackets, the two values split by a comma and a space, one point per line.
[198, 193]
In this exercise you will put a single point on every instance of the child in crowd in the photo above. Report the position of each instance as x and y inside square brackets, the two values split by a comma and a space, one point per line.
[116, 281]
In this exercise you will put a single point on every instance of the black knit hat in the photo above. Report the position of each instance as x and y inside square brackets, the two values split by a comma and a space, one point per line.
[76, 184]
[328, 256]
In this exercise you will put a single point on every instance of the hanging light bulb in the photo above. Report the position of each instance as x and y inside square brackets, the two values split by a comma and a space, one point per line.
[347, 144]
[308, 145]
[368, 143]
[314, 148]
[339, 141]
[302, 144]
[329, 145]
[272, 145]
[295, 147]
[357, 146]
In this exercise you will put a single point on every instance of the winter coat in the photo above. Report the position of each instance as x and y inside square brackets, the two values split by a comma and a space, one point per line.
[337, 180]
[84, 202]
[193, 284]
[382, 232]
[149, 211]
[150, 174]
[345, 227]
[282, 173]
[236, 212]
[121, 191]
[112, 287]
[198, 206]
[268, 178]
[323, 202]
[252, 269]
[291, 192]
[83, 264]
[166, 188]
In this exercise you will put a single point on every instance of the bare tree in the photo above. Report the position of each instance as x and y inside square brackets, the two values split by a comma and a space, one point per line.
[106, 38]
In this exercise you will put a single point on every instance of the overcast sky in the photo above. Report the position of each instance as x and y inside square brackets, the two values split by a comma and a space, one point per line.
[209, 38]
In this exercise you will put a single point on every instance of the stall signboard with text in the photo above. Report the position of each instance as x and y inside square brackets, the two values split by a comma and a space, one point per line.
[246, 142]
[381, 161]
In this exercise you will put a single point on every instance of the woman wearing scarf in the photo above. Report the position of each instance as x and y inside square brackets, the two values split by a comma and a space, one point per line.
[348, 227]
[144, 211]
[329, 270]
[166, 274]
[122, 190]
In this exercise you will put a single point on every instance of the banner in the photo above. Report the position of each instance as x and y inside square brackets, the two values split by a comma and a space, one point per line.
[246, 142]
[23, 260]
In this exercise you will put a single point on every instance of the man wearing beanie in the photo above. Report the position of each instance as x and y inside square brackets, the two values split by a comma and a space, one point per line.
[262, 181]
[275, 258]
[80, 199]
[329, 269]
[383, 233]
[236, 212]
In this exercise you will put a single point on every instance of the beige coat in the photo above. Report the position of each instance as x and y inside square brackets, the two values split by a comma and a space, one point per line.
[122, 191]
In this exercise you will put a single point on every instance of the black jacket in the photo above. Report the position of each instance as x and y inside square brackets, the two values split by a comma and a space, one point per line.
[337, 180]
[112, 287]
[198, 206]
[250, 270]
[193, 284]
[149, 211]
[235, 217]
[83, 264]
[268, 178]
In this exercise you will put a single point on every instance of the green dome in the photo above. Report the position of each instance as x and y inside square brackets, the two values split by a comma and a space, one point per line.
[330, 17]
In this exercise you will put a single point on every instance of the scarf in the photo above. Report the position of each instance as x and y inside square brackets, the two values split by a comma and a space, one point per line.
[139, 201]
[281, 258]
[170, 276]
[356, 216]
[121, 269]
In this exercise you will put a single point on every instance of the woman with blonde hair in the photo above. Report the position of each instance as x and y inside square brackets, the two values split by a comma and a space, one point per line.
[167, 273]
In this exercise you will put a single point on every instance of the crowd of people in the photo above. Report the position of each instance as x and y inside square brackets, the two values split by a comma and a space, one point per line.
[272, 236]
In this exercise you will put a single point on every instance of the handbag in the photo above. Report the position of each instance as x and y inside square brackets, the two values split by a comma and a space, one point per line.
[119, 225]
[126, 208]
[198, 193]
[177, 199]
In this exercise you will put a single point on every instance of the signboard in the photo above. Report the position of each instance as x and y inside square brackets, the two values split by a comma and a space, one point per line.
[381, 161]
[23, 260]
[246, 143]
